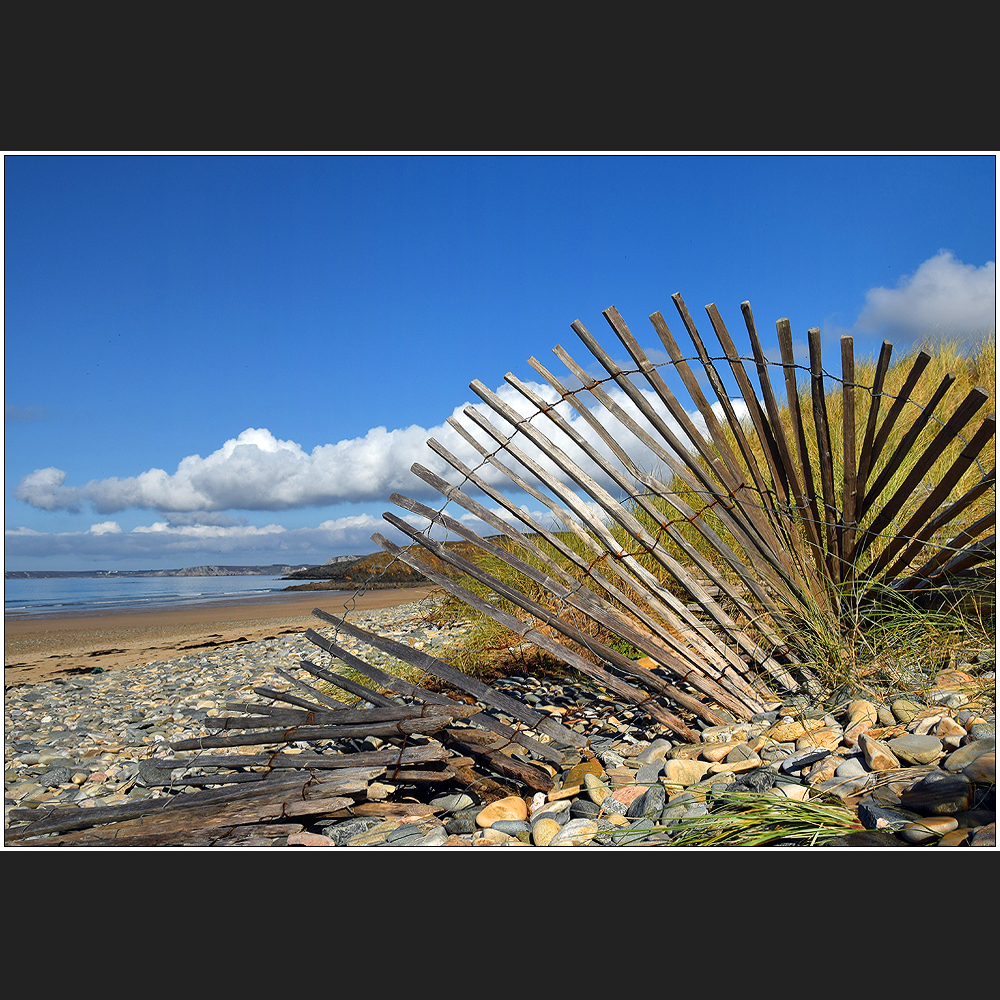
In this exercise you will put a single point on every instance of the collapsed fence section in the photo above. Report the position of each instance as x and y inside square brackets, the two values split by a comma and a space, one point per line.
[699, 586]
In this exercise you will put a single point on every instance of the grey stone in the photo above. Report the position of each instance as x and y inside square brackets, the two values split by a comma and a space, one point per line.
[906, 710]
[950, 699]
[939, 793]
[464, 821]
[650, 803]
[340, 833]
[853, 767]
[916, 749]
[453, 803]
[983, 770]
[559, 811]
[583, 808]
[759, 780]
[964, 756]
[874, 817]
[650, 773]
[404, 833]
[969, 819]
[654, 752]
[55, 776]
[677, 813]
[844, 787]
[513, 828]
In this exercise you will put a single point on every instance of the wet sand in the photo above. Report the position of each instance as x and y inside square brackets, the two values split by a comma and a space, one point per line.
[41, 648]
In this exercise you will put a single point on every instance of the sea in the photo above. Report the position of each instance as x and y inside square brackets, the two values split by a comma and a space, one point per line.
[34, 598]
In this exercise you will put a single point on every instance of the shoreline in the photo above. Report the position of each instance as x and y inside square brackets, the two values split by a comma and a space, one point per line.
[40, 648]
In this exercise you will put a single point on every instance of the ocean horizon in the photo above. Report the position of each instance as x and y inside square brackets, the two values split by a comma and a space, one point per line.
[29, 598]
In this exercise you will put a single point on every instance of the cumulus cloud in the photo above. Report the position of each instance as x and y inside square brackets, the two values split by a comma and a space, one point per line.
[105, 528]
[44, 489]
[944, 297]
[258, 471]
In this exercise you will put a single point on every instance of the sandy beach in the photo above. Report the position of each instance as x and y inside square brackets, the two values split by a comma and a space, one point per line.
[40, 648]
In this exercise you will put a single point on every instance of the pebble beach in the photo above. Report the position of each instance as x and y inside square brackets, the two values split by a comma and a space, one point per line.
[917, 771]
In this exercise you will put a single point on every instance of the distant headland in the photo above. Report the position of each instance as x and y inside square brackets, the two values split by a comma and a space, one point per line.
[275, 569]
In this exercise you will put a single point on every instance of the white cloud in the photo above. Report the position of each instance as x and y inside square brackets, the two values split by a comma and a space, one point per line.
[44, 489]
[943, 297]
[258, 471]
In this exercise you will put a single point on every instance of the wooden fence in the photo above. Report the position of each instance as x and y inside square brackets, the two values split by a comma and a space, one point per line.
[761, 532]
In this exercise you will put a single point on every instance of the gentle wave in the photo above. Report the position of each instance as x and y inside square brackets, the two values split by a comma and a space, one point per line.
[36, 597]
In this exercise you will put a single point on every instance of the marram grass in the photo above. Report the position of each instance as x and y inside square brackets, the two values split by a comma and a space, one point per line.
[747, 819]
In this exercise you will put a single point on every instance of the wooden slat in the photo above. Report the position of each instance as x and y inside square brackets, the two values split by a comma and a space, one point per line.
[849, 485]
[951, 556]
[898, 404]
[629, 523]
[652, 595]
[765, 438]
[824, 449]
[733, 517]
[867, 458]
[944, 517]
[674, 610]
[687, 515]
[906, 444]
[809, 515]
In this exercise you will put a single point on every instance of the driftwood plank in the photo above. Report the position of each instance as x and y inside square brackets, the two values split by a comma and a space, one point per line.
[429, 723]
[306, 761]
[533, 777]
[197, 807]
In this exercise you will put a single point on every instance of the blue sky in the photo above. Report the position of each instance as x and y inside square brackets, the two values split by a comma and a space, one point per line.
[215, 359]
